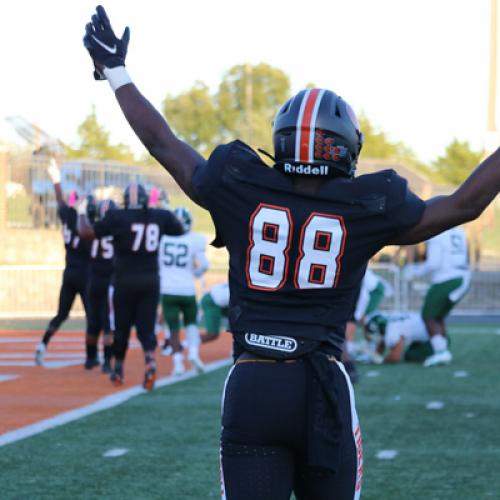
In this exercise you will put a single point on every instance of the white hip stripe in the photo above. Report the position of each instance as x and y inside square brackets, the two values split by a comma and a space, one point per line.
[111, 290]
[222, 485]
[356, 433]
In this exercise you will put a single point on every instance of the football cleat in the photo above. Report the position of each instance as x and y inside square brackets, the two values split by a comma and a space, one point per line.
[178, 371]
[438, 358]
[116, 377]
[106, 367]
[149, 378]
[197, 363]
[166, 350]
[178, 362]
[40, 353]
[90, 363]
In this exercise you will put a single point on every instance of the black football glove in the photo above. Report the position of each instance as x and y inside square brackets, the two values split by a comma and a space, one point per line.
[104, 47]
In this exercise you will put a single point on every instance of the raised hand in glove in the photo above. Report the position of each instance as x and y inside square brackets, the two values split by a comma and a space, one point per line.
[105, 49]
[54, 172]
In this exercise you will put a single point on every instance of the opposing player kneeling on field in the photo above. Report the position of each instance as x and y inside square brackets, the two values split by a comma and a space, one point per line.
[398, 336]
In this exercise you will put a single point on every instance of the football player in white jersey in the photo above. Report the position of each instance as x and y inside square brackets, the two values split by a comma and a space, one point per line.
[182, 259]
[395, 332]
[448, 263]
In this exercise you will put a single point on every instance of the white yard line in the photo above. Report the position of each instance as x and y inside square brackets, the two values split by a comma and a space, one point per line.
[100, 405]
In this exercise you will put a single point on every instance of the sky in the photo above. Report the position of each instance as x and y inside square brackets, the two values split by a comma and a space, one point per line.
[417, 69]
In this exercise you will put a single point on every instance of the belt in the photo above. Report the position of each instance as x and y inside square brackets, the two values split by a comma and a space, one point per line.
[248, 357]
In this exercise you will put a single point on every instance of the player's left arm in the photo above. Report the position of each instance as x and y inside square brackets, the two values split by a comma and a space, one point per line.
[464, 205]
[108, 54]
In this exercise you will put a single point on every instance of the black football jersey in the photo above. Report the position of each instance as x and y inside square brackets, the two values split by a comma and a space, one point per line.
[101, 256]
[136, 236]
[297, 259]
[77, 250]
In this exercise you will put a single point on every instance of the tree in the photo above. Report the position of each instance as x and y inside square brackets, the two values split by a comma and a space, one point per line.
[376, 144]
[194, 117]
[457, 163]
[95, 143]
[243, 107]
[248, 99]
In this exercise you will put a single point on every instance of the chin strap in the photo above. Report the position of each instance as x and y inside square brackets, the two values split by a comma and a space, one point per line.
[265, 153]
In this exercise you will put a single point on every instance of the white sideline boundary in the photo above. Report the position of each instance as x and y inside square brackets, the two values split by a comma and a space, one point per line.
[102, 404]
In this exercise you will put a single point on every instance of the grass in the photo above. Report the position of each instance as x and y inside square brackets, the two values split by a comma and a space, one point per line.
[172, 436]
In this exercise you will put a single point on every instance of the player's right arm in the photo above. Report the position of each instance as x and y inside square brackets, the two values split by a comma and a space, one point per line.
[395, 353]
[108, 53]
[55, 177]
[466, 204]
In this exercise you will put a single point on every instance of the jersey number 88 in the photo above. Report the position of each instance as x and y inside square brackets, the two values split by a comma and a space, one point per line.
[321, 245]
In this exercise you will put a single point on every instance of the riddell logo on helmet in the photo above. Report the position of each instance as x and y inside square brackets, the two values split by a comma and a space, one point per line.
[306, 169]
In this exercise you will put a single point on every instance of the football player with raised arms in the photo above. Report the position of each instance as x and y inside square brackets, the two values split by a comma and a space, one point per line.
[74, 281]
[136, 232]
[182, 259]
[299, 236]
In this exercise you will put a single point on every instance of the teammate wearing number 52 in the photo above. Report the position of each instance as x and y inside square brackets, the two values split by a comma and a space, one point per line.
[136, 233]
[299, 236]
[181, 260]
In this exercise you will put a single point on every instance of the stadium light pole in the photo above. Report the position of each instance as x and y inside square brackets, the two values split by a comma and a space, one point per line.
[492, 136]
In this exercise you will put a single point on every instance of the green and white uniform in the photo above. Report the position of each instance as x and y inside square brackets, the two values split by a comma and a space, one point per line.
[392, 326]
[181, 260]
[215, 304]
[448, 263]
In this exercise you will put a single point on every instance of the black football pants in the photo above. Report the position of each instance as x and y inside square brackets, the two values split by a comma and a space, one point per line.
[135, 301]
[74, 282]
[264, 439]
[98, 305]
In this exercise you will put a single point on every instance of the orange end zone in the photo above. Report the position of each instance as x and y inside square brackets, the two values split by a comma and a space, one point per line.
[30, 393]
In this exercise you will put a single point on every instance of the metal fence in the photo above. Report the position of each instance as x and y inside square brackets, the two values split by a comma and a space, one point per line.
[30, 200]
[483, 296]
[33, 291]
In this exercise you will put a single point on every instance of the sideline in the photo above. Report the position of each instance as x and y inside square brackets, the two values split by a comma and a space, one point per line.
[100, 405]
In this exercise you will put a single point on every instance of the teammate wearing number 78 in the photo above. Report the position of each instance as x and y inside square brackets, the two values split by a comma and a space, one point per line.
[299, 236]
[136, 233]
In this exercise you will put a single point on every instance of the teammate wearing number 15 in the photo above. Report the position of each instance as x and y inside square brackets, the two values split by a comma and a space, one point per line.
[299, 236]
[136, 233]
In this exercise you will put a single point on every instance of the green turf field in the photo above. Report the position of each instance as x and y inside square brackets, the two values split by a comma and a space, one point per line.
[172, 437]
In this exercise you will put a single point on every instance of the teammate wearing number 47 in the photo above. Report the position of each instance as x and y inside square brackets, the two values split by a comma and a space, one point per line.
[136, 233]
[182, 259]
[299, 236]
[74, 280]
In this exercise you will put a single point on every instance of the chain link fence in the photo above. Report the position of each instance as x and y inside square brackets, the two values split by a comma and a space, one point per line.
[30, 200]
[33, 290]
